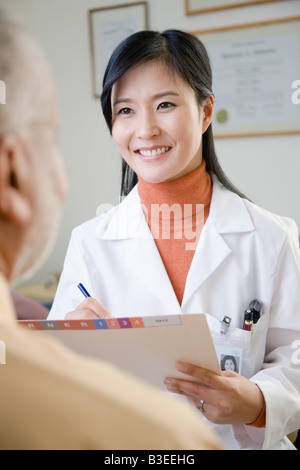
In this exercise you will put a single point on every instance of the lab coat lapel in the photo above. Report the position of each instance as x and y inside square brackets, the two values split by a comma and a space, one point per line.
[128, 222]
[144, 259]
[228, 214]
[210, 253]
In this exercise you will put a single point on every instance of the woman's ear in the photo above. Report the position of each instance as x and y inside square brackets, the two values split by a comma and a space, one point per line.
[208, 113]
[14, 205]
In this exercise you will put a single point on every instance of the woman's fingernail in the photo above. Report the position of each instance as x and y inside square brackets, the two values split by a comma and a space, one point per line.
[181, 367]
[168, 382]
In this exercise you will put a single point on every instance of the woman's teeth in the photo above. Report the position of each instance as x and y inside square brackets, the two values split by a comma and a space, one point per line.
[154, 153]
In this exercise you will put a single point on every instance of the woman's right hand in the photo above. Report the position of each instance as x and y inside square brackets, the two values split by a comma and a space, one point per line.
[88, 310]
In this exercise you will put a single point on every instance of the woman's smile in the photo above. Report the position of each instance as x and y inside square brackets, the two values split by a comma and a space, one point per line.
[153, 153]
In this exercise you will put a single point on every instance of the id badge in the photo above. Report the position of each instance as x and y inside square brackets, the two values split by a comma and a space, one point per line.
[230, 358]
[239, 350]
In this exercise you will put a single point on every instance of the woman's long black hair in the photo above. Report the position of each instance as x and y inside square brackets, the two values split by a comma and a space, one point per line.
[185, 56]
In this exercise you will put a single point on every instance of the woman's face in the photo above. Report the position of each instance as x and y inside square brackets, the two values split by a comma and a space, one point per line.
[229, 364]
[157, 123]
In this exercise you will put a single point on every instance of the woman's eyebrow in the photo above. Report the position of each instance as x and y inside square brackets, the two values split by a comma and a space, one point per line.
[122, 100]
[166, 93]
[156, 96]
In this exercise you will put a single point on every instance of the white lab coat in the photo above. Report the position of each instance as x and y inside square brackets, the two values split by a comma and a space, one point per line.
[244, 253]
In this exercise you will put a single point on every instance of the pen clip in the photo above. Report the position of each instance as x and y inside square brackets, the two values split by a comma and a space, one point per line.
[256, 307]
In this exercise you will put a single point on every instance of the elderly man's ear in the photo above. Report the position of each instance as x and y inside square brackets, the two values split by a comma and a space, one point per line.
[15, 205]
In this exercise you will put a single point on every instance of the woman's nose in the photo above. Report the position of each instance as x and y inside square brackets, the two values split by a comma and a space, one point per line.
[147, 126]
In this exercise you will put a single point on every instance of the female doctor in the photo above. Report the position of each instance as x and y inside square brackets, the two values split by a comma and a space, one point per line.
[184, 240]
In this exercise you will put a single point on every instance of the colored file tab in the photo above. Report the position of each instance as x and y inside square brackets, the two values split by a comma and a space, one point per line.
[31, 325]
[100, 324]
[137, 322]
[50, 325]
[76, 325]
[112, 323]
[124, 323]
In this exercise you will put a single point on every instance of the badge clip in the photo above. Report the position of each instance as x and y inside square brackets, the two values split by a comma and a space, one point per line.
[225, 324]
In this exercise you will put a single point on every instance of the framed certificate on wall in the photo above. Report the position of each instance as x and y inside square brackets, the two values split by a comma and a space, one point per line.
[194, 7]
[255, 70]
[109, 26]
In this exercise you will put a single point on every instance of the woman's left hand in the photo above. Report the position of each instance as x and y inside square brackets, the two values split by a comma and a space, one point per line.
[228, 398]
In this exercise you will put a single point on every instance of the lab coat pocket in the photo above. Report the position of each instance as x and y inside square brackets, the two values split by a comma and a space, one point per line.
[239, 350]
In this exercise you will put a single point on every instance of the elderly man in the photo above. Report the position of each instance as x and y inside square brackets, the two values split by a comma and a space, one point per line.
[51, 398]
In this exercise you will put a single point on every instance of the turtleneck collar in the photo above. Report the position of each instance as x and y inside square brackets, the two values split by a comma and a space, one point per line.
[193, 188]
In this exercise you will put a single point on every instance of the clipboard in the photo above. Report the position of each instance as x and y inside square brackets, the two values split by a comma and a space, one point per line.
[147, 347]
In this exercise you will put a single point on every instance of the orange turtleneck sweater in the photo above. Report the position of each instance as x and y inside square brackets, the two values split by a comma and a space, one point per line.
[176, 212]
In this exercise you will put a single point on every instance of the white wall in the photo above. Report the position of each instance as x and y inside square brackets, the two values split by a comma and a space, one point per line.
[267, 169]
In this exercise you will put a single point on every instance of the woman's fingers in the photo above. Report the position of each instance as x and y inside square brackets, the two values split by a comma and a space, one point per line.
[227, 399]
[89, 309]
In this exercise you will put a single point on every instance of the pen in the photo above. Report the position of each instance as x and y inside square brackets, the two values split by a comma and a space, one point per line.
[248, 322]
[255, 306]
[83, 290]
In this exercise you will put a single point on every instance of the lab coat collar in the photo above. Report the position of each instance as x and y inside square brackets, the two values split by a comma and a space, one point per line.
[229, 211]
[127, 220]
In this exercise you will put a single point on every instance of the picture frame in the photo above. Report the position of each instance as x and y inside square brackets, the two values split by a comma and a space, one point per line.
[108, 26]
[194, 7]
[255, 67]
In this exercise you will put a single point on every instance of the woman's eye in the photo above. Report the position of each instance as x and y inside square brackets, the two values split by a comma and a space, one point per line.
[125, 111]
[166, 105]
